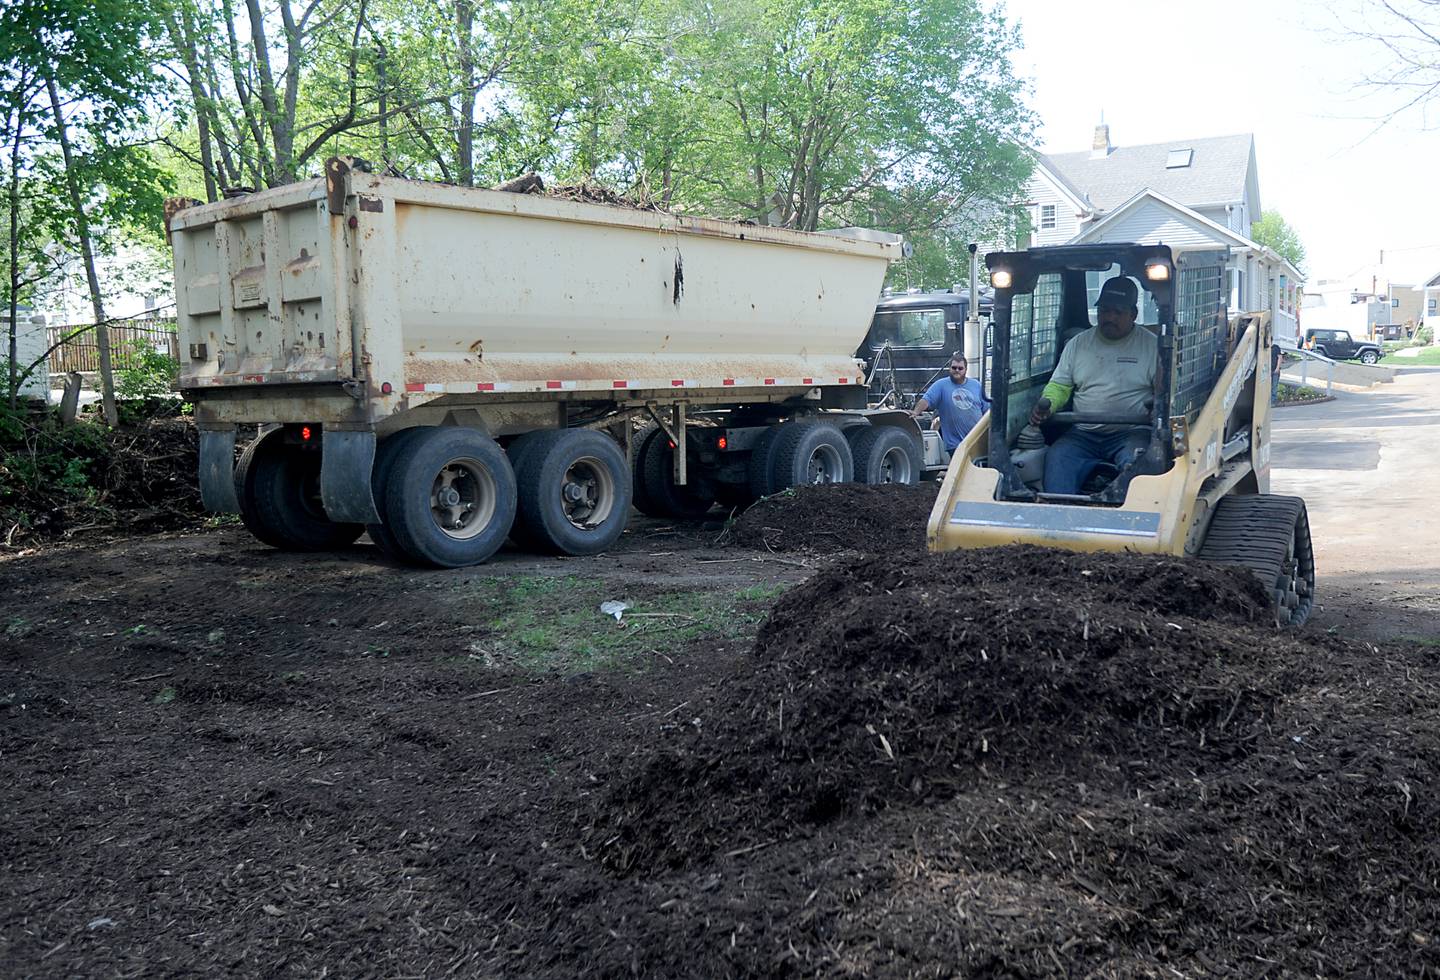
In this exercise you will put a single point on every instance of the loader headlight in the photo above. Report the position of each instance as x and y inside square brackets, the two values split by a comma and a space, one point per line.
[1000, 278]
[1157, 271]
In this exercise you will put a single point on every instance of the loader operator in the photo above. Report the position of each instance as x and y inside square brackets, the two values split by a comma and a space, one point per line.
[959, 403]
[1108, 370]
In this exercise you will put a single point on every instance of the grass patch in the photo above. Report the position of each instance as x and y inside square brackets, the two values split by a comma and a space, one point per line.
[1429, 357]
[554, 623]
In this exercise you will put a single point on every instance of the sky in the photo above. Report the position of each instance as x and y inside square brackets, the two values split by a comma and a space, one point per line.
[1284, 70]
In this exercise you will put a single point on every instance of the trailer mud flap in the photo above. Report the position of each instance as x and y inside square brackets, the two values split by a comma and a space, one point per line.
[1058, 520]
[345, 466]
[217, 471]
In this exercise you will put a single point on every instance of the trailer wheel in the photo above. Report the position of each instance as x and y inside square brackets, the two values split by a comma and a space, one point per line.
[809, 453]
[385, 457]
[656, 491]
[280, 498]
[762, 465]
[245, 490]
[575, 492]
[884, 454]
[450, 497]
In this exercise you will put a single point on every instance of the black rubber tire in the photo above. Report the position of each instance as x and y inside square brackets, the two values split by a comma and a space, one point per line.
[1369, 357]
[796, 448]
[762, 465]
[245, 489]
[878, 452]
[283, 500]
[654, 473]
[639, 496]
[409, 491]
[519, 448]
[542, 483]
[385, 455]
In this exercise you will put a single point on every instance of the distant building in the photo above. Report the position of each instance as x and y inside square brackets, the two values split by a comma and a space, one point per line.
[1186, 192]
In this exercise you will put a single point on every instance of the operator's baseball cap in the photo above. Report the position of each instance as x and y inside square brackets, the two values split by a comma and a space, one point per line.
[1119, 292]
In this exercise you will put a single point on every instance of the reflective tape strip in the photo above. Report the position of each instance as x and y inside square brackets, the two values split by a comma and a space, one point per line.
[411, 386]
[728, 382]
[769, 381]
[619, 384]
[807, 381]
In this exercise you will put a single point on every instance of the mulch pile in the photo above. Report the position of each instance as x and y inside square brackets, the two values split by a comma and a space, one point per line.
[586, 193]
[839, 517]
[138, 478]
[1018, 762]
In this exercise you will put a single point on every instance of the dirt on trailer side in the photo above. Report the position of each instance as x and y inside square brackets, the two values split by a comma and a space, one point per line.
[218, 757]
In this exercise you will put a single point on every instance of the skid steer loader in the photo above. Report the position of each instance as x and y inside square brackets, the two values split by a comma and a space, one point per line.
[1200, 488]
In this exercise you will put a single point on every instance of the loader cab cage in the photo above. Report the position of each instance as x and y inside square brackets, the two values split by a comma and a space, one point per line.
[1045, 297]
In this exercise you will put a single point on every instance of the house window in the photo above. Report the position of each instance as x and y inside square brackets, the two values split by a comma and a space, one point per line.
[1430, 306]
[1176, 159]
[1047, 216]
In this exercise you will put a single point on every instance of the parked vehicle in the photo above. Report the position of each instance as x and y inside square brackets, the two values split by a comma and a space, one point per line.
[1338, 345]
[446, 367]
[911, 339]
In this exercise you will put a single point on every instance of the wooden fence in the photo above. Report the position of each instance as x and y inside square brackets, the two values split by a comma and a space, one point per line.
[127, 340]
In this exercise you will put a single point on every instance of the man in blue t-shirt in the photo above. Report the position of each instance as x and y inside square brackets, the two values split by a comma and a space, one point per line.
[958, 401]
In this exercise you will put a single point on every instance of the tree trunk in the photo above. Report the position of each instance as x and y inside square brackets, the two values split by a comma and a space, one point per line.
[465, 134]
[82, 230]
[13, 387]
[182, 32]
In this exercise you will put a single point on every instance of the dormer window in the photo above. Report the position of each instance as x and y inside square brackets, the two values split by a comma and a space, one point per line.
[1176, 159]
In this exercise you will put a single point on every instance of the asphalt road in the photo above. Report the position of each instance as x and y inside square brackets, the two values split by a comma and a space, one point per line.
[1368, 466]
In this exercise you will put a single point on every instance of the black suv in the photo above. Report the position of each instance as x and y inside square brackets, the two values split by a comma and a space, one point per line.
[1339, 346]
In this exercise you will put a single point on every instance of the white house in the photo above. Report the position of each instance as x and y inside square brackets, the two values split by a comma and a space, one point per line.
[1187, 192]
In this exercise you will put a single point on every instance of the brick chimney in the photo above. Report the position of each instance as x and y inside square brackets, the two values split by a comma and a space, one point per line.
[1100, 147]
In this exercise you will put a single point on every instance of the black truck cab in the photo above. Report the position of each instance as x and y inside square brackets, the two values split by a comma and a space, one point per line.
[912, 337]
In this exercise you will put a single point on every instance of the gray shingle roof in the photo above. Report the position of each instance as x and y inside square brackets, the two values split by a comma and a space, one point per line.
[1216, 174]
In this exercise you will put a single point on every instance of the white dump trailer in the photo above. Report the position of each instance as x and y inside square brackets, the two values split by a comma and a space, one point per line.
[449, 367]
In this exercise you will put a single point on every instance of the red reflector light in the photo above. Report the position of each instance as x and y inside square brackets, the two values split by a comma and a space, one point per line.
[722, 442]
[671, 443]
[386, 388]
[305, 433]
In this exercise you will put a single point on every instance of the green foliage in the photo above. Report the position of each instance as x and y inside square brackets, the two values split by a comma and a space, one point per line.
[148, 374]
[1275, 233]
[1425, 335]
[44, 466]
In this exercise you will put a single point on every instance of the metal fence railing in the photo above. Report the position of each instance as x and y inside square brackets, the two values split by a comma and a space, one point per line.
[127, 341]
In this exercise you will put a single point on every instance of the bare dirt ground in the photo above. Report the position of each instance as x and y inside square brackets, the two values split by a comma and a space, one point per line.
[215, 757]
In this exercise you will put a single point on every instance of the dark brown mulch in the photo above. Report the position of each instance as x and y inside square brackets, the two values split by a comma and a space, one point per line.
[221, 759]
[839, 517]
[1112, 754]
[586, 192]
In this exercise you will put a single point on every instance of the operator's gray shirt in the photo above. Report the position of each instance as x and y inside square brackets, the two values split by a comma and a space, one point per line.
[1109, 377]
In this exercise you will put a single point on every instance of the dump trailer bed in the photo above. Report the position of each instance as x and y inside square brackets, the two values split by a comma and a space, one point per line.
[356, 306]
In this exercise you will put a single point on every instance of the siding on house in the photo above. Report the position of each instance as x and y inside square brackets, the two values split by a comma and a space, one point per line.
[1151, 224]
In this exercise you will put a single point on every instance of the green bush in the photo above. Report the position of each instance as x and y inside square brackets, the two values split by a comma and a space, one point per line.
[1424, 335]
[145, 385]
[45, 467]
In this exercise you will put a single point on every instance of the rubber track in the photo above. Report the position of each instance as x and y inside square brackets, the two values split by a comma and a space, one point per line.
[1253, 530]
